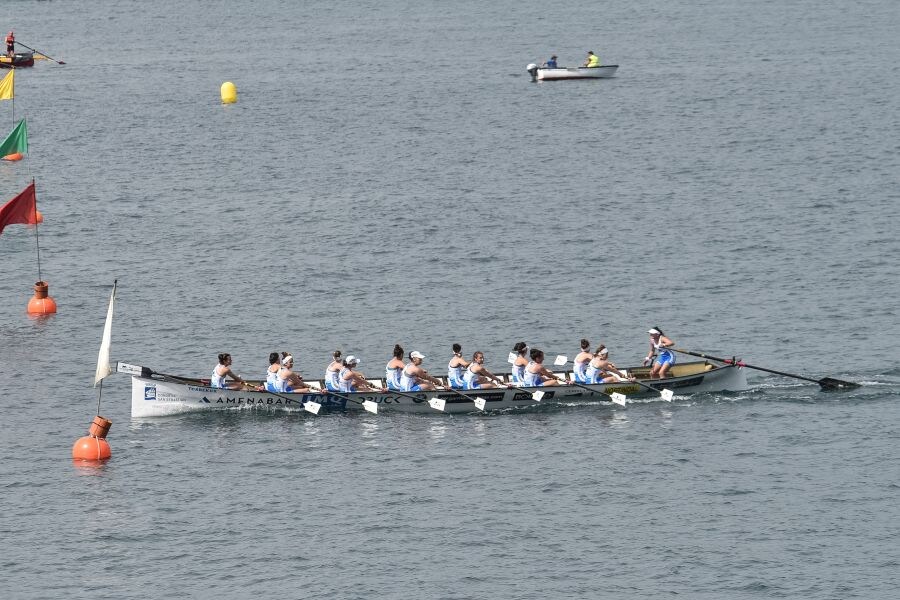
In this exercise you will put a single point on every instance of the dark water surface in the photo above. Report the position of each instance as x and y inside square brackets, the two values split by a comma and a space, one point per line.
[390, 174]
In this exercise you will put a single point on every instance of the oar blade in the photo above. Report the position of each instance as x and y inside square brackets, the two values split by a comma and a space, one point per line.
[829, 383]
[480, 403]
[560, 360]
[618, 398]
[536, 396]
[312, 407]
[667, 395]
[437, 404]
[370, 406]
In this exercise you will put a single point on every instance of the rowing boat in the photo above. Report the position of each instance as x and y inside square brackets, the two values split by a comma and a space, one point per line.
[20, 59]
[155, 394]
[545, 74]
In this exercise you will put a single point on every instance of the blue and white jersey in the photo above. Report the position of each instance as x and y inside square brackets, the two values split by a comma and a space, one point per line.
[579, 371]
[663, 354]
[345, 385]
[455, 376]
[392, 377]
[332, 380]
[408, 383]
[271, 380]
[216, 380]
[592, 374]
[532, 379]
[517, 374]
[470, 378]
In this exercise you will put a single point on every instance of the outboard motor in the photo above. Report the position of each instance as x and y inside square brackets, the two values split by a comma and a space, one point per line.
[532, 68]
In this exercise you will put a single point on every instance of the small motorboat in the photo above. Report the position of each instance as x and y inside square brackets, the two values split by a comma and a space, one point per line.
[547, 74]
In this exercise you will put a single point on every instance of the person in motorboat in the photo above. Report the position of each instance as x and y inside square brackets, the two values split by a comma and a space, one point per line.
[536, 373]
[455, 369]
[414, 378]
[550, 64]
[517, 375]
[394, 368]
[601, 370]
[352, 380]
[477, 376]
[287, 380]
[333, 371]
[665, 358]
[580, 362]
[592, 60]
[272, 371]
[223, 370]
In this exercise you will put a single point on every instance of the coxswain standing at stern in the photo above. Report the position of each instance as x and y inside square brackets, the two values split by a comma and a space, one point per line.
[10, 44]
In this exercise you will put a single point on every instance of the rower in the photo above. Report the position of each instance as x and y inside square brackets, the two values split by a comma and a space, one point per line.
[352, 380]
[517, 375]
[333, 371]
[600, 370]
[477, 376]
[665, 358]
[223, 370]
[272, 371]
[455, 369]
[414, 378]
[287, 380]
[536, 374]
[393, 369]
[580, 363]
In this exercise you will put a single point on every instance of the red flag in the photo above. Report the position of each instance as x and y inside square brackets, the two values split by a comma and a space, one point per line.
[21, 209]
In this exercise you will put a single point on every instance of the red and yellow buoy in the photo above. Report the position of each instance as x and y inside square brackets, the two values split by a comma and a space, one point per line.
[41, 303]
[93, 446]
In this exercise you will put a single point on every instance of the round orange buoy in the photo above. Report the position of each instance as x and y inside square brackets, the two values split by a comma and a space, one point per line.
[14, 156]
[91, 448]
[41, 303]
[38, 216]
[94, 445]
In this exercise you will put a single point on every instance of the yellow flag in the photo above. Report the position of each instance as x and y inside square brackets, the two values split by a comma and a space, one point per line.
[7, 85]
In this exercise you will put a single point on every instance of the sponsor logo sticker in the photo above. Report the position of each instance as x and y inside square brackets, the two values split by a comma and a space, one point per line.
[149, 392]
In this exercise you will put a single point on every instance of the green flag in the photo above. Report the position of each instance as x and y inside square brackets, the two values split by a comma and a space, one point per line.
[17, 141]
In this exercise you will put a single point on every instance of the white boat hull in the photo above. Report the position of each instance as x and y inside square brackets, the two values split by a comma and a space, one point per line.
[576, 73]
[154, 396]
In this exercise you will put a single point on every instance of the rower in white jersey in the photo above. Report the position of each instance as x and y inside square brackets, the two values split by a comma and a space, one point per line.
[352, 380]
[536, 374]
[455, 369]
[221, 371]
[477, 376]
[287, 380]
[333, 371]
[394, 368]
[517, 375]
[414, 378]
[272, 371]
[601, 370]
[580, 363]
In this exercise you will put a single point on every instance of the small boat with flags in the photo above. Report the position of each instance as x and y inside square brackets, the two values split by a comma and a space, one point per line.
[156, 394]
[552, 74]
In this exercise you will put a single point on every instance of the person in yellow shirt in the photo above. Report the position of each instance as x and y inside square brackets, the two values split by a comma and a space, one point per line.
[592, 60]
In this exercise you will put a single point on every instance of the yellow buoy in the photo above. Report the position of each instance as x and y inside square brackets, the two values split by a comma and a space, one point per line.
[229, 93]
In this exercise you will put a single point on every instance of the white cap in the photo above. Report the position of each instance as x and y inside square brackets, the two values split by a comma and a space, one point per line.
[604, 351]
[416, 354]
[654, 331]
[352, 360]
[287, 359]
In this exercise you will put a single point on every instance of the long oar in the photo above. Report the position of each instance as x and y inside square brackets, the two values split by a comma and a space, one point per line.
[41, 53]
[827, 383]
[478, 401]
[665, 394]
[616, 397]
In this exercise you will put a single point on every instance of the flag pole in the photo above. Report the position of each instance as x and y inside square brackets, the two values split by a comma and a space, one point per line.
[37, 239]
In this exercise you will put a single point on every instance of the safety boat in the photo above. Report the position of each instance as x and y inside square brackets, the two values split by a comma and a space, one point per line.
[19, 59]
[156, 394]
[545, 74]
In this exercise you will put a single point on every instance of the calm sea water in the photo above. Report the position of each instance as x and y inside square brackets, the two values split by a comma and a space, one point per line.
[391, 174]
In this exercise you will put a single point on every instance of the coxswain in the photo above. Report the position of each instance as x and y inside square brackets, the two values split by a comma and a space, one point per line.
[665, 359]
[394, 368]
[414, 378]
[10, 44]
[477, 376]
[455, 369]
[536, 374]
[580, 363]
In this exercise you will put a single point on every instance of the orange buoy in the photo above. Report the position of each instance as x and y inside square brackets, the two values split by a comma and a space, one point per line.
[38, 216]
[94, 445]
[41, 303]
[14, 156]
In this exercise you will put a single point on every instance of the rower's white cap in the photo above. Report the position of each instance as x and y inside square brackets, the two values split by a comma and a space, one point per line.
[352, 360]
[654, 331]
[287, 359]
[604, 351]
[416, 354]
